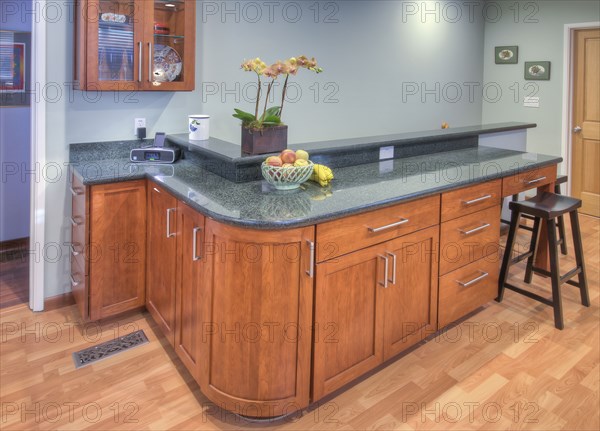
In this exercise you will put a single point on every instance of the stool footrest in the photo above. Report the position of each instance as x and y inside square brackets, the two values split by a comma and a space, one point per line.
[564, 278]
[520, 257]
[529, 294]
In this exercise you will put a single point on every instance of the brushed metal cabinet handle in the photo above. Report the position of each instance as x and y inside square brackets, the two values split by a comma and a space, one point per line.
[195, 256]
[150, 61]
[388, 226]
[155, 189]
[537, 180]
[73, 282]
[385, 270]
[76, 191]
[475, 280]
[393, 256]
[311, 263]
[169, 211]
[74, 221]
[474, 201]
[72, 247]
[477, 229]
[140, 61]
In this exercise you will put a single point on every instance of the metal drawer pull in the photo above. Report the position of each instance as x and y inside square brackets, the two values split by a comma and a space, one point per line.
[76, 191]
[169, 234]
[195, 244]
[537, 180]
[72, 247]
[155, 189]
[477, 229]
[388, 226]
[385, 271]
[74, 222]
[393, 256]
[475, 280]
[139, 61]
[474, 201]
[73, 282]
[311, 263]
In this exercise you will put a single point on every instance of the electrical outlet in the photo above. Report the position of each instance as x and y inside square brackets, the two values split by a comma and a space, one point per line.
[137, 123]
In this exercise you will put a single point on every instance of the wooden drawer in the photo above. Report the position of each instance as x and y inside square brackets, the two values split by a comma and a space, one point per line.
[467, 289]
[348, 234]
[469, 238]
[468, 200]
[528, 180]
[79, 206]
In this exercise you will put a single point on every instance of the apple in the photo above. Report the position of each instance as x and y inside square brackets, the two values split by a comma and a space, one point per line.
[301, 162]
[301, 154]
[288, 156]
[274, 161]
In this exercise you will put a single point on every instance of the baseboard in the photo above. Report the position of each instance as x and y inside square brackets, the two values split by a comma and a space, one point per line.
[59, 301]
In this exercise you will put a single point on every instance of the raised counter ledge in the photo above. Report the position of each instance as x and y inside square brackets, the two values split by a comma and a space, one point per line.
[355, 189]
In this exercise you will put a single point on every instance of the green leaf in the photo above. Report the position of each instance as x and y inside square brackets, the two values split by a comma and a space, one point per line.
[272, 119]
[273, 111]
[244, 116]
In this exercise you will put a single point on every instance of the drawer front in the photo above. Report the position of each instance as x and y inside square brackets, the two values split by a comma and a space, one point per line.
[467, 289]
[348, 234]
[79, 285]
[528, 180]
[79, 197]
[469, 238]
[471, 199]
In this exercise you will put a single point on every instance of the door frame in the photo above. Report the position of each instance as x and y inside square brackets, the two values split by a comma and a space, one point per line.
[37, 195]
[567, 108]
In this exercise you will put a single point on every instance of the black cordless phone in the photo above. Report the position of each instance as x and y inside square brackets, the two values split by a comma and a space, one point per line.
[159, 140]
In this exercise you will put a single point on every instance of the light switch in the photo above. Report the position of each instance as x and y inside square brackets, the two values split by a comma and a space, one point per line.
[386, 153]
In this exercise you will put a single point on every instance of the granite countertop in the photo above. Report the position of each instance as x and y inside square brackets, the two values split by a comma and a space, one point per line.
[355, 188]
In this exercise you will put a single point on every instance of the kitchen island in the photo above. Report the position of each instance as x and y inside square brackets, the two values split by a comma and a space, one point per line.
[274, 300]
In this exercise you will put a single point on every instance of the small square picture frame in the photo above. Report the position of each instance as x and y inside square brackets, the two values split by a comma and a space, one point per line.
[537, 70]
[506, 54]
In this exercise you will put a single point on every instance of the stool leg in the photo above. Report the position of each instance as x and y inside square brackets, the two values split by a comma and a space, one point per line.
[533, 246]
[510, 242]
[556, 297]
[583, 287]
[561, 227]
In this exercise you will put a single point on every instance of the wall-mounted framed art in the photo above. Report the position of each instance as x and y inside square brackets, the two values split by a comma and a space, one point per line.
[506, 54]
[537, 70]
[15, 68]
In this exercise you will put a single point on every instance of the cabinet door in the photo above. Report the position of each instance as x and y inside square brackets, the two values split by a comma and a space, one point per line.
[117, 248]
[162, 258]
[410, 300]
[190, 264]
[169, 39]
[257, 303]
[348, 323]
[109, 53]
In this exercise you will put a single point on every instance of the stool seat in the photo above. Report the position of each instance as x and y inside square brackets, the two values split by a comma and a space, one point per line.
[546, 205]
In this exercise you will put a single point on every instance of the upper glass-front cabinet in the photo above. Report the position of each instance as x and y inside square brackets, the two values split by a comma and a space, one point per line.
[135, 45]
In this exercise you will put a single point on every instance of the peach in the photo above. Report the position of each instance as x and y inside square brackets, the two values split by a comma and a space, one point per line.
[288, 156]
[274, 161]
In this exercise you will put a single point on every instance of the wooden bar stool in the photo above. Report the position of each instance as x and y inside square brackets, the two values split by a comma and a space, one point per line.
[560, 222]
[549, 207]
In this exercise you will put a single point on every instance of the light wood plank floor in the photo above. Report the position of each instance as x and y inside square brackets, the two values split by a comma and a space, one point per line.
[505, 367]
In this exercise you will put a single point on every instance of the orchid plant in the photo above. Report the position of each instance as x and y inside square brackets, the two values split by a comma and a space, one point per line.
[271, 117]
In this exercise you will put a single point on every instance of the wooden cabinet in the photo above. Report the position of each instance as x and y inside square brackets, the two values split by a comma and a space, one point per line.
[115, 255]
[135, 45]
[257, 307]
[528, 180]
[190, 276]
[372, 304]
[162, 259]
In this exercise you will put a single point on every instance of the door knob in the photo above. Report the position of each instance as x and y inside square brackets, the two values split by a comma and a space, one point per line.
[577, 129]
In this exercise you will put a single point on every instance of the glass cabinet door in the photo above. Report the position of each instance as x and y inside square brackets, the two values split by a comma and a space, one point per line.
[171, 44]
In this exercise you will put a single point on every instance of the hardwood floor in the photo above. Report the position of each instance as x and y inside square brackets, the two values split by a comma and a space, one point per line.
[505, 367]
[14, 277]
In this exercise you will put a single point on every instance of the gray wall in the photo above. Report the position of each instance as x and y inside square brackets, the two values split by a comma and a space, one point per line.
[15, 150]
[370, 54]
[537, 41]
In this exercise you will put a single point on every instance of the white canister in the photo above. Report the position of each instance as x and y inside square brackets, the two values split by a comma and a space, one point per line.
[198, 127]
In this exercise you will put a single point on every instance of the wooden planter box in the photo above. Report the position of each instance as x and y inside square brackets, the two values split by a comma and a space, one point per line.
[267, 140]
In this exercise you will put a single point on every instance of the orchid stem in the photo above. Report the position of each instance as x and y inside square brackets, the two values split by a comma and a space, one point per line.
[257, 99]
[267, 100]
[283, 95]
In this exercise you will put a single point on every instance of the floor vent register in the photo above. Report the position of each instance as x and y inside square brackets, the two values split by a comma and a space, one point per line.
[110, 348]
